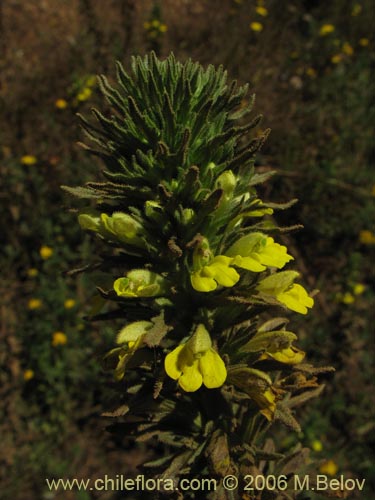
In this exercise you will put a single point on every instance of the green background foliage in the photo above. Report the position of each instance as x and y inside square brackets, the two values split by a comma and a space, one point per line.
[316, 96]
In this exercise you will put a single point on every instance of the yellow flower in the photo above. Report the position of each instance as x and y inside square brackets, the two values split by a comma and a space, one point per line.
[363, 42]
[326, 29]
[195, 363]
[28, 374]
[84, 94]
[367, 237]
[28, 160]
[357, 9]
[140, 283]
[163, 28]
[262, 11]
[69, 303]
[329, 467]
[336, 59]
[61, 104]
[256, 251]
[32, 272]
[311, 72]
[290, 355]
[317, 445]
[45, 252]
[255, 26]
[59, 338]
[358, 289]
[218, 272]
[34, 304]
[347, 298]
[347, 49]
[292, 295]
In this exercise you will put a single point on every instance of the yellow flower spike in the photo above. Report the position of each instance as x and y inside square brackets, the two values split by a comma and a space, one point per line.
[326, 29]
[257, 27]
[329, 467]
[28, 375]
[59, 338]
[28, 160]
[45, 252]
[195, 363]
[256, 251]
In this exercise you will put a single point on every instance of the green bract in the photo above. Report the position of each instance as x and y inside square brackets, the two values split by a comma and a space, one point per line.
[190, 266]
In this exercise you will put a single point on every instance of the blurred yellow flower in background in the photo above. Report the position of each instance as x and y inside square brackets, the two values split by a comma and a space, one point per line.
[32, 272]
[326, 29]
[257, 27]
[262, 11]
[28, 160]
[45, 252]
[367, 237]
[61, 104]
[347, 49]
[317, 445]
[28, 374]
[336, 58]
[69, 303]
[34, 304]
[329, 467]
[359, 288]
[59, 338]
[357, 9]
[363, 42]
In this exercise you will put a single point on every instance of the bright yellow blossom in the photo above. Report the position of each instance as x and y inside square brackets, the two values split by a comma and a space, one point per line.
[61, 104]
[329, 467]
[347, 298]
[367, 237]
[45, 252]
[292, 295]
[28, 374]
[59, 338]
[290, 355]
[256, 251]
[363, 42]
[28, 160]
[262, 11]
[218, 272]
[255, 26]
[140, 283]
[69, 303]
[195, 363]
[326, 29]
[34, 304]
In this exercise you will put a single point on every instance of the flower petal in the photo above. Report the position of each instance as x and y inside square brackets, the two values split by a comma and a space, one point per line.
[249, 263]
[172, 363]
[202, 283]
[191, 379]
[296, 299]
[213, 369]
